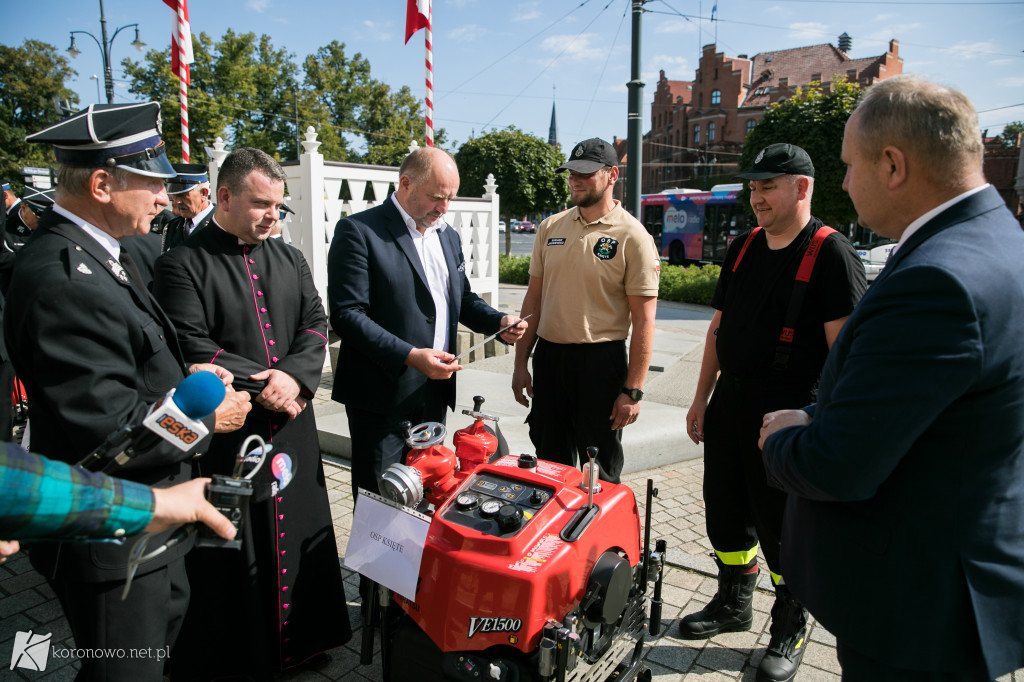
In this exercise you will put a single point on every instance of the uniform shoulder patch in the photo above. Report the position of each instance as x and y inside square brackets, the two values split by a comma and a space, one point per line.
[606, 248]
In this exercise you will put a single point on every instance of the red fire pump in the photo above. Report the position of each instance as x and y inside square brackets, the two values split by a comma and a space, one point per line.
[532, 571]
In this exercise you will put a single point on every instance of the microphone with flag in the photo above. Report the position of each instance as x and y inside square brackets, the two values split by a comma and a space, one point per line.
[176, 419]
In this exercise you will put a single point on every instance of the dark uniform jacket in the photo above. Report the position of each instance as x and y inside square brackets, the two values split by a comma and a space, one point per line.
[174, 230]
[249, 308]
[907, 489]
[94, 353]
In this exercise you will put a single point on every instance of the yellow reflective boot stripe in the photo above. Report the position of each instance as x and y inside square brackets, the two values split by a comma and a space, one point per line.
[776, 578]
[738, 558]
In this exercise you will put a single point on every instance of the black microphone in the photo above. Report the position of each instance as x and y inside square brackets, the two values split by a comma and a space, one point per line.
[176, 418]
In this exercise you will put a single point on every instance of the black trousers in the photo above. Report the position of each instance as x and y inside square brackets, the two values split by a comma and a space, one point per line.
[859, 668]
[575, 387]
[377, 439]
[741, 509]
[149, 619]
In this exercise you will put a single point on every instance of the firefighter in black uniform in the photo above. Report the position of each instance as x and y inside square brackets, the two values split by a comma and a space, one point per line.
[189, 193]
[95, 352]
[784, 292]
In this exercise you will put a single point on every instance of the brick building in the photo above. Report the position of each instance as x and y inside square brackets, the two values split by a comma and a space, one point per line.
[1002, 170]
[698, 127]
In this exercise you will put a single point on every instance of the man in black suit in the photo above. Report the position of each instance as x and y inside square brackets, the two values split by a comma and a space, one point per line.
[189, 193]
[903, 533]
[397, 290]
[95, 352]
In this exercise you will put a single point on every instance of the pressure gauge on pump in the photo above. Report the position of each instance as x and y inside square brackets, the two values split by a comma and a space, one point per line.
[466, 501]
[490, 507]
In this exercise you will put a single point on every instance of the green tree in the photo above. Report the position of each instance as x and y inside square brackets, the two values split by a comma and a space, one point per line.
[30, 77]
[524, 168]
[814, 120]
[1010, 133]
[152, 79]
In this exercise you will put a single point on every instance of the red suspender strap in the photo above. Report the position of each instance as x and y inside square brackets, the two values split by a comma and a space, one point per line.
[750, 238]
[796, 299]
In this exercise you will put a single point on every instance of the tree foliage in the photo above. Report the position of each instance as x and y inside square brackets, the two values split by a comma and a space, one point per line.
[30, 77]
[814, 120]
[1010, 133]
[250, 93]
[523, 166]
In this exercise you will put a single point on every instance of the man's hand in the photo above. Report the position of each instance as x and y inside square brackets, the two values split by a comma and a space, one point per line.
[522, 381]
[230, 414]
[624, 412]
[8, 548]
[225, 376]
[280, 392]
[186, 503]
[516, 332]
[695, 421]
[776, 421]
[434, 364]
[296, 408]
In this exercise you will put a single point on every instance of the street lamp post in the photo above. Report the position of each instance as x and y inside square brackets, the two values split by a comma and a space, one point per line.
[96, 78]
[105, 45]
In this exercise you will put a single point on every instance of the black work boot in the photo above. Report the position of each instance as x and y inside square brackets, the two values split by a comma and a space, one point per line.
[789, 639]
[730, 610]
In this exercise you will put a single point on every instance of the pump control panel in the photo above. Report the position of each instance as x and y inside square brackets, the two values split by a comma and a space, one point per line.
[496, 505]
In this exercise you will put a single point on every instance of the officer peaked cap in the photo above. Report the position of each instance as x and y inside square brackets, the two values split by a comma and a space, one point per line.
[125, 136]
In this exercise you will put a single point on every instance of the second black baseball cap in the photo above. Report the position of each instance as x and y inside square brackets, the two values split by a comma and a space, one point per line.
[779, 159]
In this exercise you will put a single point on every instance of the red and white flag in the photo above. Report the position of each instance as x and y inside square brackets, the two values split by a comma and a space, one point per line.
[181, 40]
[417, 16]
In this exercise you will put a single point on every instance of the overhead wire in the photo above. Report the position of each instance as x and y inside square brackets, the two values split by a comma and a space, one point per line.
[597, 82]
[550, 63]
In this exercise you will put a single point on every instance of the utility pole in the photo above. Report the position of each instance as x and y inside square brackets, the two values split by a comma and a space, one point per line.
[635, 120]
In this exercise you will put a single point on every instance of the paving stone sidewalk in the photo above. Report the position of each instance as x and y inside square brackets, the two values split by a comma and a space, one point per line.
[27, 602]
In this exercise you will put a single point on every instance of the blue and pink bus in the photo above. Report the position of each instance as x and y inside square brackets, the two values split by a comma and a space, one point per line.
[693, 226]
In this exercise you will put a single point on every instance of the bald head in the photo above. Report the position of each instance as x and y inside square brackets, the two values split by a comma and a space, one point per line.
[936, 128]
[428, 181]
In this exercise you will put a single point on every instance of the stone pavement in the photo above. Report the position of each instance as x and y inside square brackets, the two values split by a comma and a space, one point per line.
[678, 517]
[655, 448]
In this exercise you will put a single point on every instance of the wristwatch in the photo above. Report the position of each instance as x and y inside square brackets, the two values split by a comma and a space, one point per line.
[635, 394]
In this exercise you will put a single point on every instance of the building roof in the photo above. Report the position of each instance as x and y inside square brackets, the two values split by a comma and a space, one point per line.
[799, 65]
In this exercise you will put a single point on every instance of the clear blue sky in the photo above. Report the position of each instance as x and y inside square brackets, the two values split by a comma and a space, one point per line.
[500, 63]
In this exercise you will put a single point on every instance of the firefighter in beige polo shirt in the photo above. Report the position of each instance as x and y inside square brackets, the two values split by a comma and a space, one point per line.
[594, 271]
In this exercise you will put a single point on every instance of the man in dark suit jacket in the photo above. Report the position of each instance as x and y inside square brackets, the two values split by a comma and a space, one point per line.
[397, 289]
[189, 193]
[95, 351]
[904, 532]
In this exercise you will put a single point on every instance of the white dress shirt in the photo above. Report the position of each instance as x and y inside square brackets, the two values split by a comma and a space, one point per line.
[428, 246]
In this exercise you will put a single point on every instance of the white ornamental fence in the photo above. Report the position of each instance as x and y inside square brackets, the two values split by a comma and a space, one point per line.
[322, 192]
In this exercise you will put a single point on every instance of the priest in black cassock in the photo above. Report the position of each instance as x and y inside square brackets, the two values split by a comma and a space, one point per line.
[249, 304]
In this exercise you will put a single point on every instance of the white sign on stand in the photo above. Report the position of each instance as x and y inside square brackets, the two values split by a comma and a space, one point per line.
[386, 543]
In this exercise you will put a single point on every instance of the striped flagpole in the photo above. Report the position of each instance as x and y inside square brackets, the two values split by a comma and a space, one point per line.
[429, 43]
[183, 78]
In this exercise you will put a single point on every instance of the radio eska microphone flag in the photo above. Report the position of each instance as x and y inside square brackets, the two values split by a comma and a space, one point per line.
[177, 418]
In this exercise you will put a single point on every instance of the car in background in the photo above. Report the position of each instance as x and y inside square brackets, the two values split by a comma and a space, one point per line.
[501, 226]
[526, 226]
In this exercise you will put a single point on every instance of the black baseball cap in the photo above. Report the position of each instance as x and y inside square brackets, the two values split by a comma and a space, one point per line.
[779, 159]
[590, 156]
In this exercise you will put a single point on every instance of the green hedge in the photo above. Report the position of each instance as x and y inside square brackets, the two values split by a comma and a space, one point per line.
[693, 284]
[688, 284]
[513, 269]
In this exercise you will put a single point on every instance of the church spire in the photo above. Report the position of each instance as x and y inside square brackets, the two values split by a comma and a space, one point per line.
[553, 130]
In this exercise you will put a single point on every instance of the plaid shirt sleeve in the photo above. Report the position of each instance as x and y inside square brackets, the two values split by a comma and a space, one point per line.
[45, 499]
